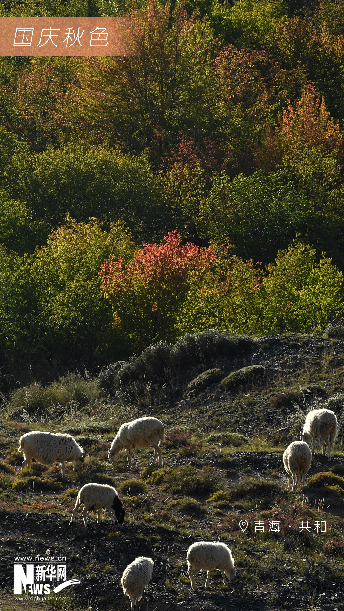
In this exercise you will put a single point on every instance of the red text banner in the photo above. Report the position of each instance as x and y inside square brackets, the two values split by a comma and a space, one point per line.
[90, 36]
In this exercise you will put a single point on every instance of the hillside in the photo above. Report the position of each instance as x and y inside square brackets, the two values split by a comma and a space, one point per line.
[223, 465]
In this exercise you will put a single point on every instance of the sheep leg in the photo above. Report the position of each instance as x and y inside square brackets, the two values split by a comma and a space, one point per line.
[192, 578]
[160, 455]
[77, 505]
[312, 446]
[129, 455]
[290, 481]
[27, 462]
[157, 455]
[329, 447]
[207, 580]
[98, 516]
[298, 480]
[223, 577]
[84, 512]
[63, 470]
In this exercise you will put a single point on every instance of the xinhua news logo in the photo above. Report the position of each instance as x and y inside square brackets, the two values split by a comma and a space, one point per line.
[39, 575]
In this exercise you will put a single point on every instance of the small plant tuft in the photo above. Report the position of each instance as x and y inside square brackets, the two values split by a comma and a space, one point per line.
[132, 487]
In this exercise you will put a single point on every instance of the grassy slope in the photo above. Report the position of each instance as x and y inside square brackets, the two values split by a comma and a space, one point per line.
[228, 469]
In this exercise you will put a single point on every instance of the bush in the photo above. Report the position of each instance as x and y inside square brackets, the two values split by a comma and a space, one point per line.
[53, 401]
[335, 403]
[324, 479]
[132, 487]
[36, 483]
[228, 439]
[203, 380]
[177, 438]
[18, 229]
[334, 331]
[6, 468]
[161, 363]
[252, 374]
[219, 498]
[189, 505]
[299, 294]
[252, 488]
[207, 346]
[74, 321]
[187, 480]
[108, 379]
[153, 474]
[258, 214]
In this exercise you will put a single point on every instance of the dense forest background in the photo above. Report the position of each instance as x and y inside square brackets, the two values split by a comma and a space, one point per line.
[196, 184]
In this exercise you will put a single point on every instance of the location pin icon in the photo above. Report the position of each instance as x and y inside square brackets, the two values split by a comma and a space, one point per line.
[243, 524]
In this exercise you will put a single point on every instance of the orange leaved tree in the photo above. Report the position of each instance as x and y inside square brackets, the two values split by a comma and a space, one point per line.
[147, 293]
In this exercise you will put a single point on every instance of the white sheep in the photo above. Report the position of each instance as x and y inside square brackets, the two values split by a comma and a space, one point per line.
[208, 556]
[297, 459]
[97, 497]
[140, 433]
[136, 577]
[48, 448]
[320, 424]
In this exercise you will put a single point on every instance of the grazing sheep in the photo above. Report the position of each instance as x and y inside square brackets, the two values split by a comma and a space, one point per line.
[97, 497]
[297, 459]
[204, 556]
[136, 577]
[140, 433]
[48, 448]
[320, 424]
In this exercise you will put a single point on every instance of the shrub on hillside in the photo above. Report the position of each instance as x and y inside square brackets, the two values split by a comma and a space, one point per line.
[324, 479]
[228, 439]
[161, 363]
[203, 380]
[334, 331]
[253, 374]
[69, 392]
[207, 346]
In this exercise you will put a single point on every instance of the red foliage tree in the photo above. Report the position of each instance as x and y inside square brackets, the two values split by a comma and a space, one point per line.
[146, 293]
[304, 127]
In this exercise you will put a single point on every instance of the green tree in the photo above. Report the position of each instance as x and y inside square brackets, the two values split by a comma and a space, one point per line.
[41, 101]
[18, 230]
[18, 311]
[257, 214]
[251, 90]
[91, 181]
[144, 101]
[74, 320]
[295, 294]
[299, 294]
[308, 144]
[224, 298]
